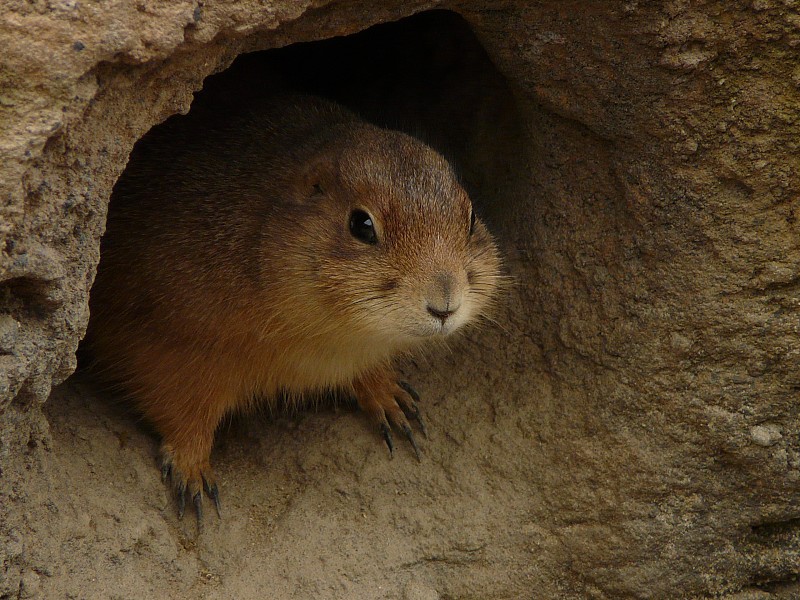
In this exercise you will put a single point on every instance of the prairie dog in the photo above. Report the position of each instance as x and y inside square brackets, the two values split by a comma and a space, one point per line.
[292, 249]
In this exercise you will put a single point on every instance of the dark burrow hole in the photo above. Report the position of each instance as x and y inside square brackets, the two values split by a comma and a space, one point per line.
[426, 75]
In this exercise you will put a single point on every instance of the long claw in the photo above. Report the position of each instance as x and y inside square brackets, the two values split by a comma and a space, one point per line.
[212, 491]
[418, 417]
[422, 425]
[387, 436]
[416, 412]
[409, 390]
[197, 500]
[410, 436]
[166, 471]
[181, 492]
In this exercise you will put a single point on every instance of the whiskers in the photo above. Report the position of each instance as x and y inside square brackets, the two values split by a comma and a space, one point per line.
[488, 291]
[379, 309]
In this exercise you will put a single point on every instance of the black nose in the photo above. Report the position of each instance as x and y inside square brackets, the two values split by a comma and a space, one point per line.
[440, 314]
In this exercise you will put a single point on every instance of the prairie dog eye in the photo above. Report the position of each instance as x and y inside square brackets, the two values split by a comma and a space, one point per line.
[471, 221]
[362, 227]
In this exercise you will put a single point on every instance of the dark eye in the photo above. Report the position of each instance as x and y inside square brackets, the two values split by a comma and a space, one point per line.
[471, 221]
[362, 227]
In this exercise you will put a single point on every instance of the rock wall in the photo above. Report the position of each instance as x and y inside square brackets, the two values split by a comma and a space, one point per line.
[630, 427]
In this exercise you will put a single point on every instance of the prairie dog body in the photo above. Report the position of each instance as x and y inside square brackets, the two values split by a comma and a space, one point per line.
[291, 249]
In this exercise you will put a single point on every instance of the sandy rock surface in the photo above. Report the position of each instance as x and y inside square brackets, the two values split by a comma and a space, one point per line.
[628, 428]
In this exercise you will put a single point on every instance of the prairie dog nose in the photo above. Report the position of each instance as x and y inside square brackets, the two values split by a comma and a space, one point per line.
[440, 314]
[444, 296]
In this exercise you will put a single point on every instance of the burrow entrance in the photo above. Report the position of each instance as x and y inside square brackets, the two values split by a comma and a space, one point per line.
[428, 76]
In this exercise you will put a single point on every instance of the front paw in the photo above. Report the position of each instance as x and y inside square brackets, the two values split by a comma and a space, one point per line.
[390, 402]
[187, 478]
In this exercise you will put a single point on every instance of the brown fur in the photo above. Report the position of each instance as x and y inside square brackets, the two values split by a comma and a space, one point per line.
[229, 273]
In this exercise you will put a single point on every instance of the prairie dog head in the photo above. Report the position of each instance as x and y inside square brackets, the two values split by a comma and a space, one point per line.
[389, 245]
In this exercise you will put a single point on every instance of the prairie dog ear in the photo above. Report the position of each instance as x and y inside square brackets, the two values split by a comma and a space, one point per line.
[316, 185]
[317, 177]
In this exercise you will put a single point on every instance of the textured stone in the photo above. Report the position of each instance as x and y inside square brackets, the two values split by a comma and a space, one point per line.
[629, 430]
